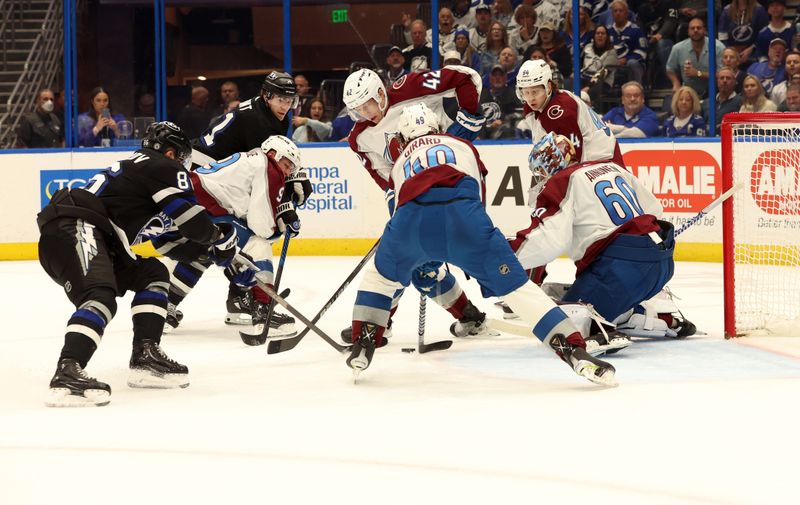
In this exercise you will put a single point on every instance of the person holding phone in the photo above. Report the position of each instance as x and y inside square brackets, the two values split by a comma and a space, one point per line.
[98, 126]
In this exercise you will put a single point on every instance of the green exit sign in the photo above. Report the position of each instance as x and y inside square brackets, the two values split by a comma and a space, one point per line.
[339, 16]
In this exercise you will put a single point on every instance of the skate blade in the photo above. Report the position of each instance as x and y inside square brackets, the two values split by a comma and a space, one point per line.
[239, 320]
[589, 371]
[151, 380]
[285, 331]
[63, 397]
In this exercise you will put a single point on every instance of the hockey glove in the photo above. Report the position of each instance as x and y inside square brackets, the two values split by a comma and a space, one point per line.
[390, 201]
[287, 219]
[426, 276]
[466, 125]
[240, 274]
[299, 187]
[225, 248]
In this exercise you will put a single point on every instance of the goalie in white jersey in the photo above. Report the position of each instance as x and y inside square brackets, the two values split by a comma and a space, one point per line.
[373, 139]
[256, 192]
[608, 223]
[440, 216]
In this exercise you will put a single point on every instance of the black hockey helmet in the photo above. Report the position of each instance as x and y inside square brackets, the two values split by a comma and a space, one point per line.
[164, 135]
[280, 84]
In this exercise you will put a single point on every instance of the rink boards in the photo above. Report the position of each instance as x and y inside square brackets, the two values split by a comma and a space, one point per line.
[347, 211]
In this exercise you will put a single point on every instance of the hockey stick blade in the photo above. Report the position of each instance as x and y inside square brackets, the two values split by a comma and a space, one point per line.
[290, 308]
[507, 327]
[287, 344]
[435, 346]
[255, 338]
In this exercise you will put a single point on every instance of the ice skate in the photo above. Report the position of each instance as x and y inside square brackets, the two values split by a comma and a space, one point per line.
[72, 387]
[280, 325]
[347, 333]
[240, 308]
[363, 350]
[601, 343]
[152, 368]
[173, 319]
[583, 363]
[472, 323]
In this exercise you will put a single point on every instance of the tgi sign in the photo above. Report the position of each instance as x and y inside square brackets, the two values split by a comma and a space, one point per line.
[53, 180]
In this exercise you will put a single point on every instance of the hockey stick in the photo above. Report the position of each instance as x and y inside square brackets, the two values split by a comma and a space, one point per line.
[278, 275]
[422, 347]
[288, 344]
[711, 206]
[293, 311]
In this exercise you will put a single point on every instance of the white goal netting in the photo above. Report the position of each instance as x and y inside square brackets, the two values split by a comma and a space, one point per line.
[765, 228]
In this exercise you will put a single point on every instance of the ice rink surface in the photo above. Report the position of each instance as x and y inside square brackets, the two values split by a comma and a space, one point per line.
[493, 420]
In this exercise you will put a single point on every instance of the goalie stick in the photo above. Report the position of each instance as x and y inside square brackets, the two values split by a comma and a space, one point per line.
[422, 347]
[288, 344]
[711, 206]
[286, 305]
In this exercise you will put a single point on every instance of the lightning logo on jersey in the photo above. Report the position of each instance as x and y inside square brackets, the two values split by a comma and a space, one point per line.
[86, 245]
[157, 226]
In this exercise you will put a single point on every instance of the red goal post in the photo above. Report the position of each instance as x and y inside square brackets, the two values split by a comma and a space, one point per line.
[761, 223]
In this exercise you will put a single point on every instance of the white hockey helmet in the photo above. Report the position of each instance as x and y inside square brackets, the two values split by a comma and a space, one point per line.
[360, 87]
[550, 155]
[534, 73]
[284, 148]
[415, 121]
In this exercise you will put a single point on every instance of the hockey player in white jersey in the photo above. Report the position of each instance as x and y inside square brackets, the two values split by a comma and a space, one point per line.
[255, 191]
[548, 109]
[440, 216]
[373, 139]
[608, 223]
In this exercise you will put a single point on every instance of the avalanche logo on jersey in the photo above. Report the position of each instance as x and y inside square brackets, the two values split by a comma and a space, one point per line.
[555, 112]
[157, 226]
[392, 150]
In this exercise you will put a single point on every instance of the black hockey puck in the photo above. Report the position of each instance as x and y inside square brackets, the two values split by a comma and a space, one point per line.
[409, 349]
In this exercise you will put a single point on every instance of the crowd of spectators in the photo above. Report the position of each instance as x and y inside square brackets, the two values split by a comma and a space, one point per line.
[628, 49]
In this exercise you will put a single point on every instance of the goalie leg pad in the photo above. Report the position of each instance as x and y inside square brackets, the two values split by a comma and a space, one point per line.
[641, 322]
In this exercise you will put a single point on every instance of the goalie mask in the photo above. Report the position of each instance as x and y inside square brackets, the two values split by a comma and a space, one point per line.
[166, 135]
[361, 87]
[549, 156]
[284, 148]
[415, 121]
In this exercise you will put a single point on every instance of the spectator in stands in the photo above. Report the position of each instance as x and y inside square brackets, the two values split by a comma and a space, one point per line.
[689, 9]
[585, 29]
[341, 126]
[232, 105]
[497, 40]
[688, 60]
[98, 126]
[685, 120]
[753, 97]
[659, 20]
[739, 23]
[451, 58]
[313, 128]
[633, 118]
[469, 56]
[628, 39]
[41, 128]
[772, 71]
[730, 59]
[464, 14]
[546, 12]
[537, 53]
[525, 34]
[778, 27]
[483, 23]
[727, 99]
[557, 51]
[228, 91]
[502, 11]
[596, 78]
[498, 102]
[395, 61]
[418, 54]
[792, 102]
[508, 62]
[447, 31]
[792, 72]
[146, 106]
[195, 116]
[305, 95]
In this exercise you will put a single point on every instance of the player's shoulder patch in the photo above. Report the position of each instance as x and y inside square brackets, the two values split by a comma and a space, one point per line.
[399, 82]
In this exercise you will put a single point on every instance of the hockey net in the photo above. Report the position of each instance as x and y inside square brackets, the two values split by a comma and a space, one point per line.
[761, 224]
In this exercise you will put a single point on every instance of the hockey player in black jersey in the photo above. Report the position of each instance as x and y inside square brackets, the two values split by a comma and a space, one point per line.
[241, 130]
[86, 234]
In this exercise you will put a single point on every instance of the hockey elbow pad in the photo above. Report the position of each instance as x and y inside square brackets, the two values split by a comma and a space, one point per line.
[466, 126]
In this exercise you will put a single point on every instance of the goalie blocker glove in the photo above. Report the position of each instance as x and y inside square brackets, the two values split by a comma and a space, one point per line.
[466, 126]
[299, 187]
[287, 219]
